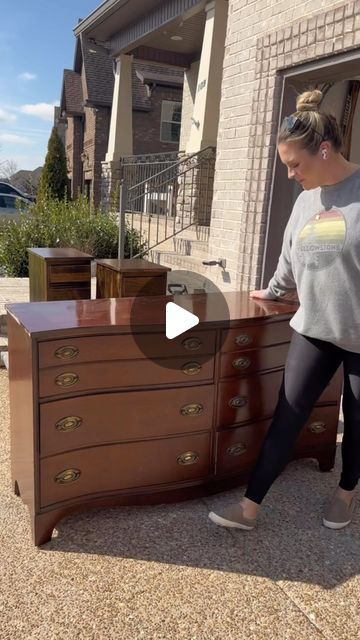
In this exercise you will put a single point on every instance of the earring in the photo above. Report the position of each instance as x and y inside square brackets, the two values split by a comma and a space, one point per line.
[324, 154]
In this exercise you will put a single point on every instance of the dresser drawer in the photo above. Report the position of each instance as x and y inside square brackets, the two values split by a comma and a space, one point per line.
[117, 374]
[123, 466]
[256, 396]
[321, 428]
[114, 417]
[250, 398]
[118, 347]
[67, 274]
[262, 335]
[238, 449]
[240, 363]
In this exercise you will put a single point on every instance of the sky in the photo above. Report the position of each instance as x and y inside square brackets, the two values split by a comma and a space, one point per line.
[36, 44]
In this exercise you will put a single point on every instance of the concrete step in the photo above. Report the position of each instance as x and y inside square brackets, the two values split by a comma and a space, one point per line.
[190, 247]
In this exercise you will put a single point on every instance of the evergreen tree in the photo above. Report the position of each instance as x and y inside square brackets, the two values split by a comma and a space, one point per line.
[54, 180]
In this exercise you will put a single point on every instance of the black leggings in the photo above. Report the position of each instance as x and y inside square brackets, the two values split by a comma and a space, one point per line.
[310, 365]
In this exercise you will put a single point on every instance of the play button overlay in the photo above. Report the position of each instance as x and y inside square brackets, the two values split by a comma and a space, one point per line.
[179, 331]
[178, 320]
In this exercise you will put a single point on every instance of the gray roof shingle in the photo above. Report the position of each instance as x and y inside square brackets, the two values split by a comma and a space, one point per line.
[99, 80]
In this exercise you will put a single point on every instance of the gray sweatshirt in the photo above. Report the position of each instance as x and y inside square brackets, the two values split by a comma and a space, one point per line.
[320, 258]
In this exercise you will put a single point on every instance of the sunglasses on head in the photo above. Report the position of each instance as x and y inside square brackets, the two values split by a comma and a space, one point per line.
[293, 124]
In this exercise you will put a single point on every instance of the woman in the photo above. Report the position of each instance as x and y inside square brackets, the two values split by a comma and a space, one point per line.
[320, 259]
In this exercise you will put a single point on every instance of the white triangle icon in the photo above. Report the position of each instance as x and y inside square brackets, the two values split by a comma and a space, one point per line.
[178, 320]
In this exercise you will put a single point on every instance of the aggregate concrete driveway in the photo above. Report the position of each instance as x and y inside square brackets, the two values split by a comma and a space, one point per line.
[166, 572]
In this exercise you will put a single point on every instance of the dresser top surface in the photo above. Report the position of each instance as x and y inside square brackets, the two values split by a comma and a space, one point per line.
[129, 314]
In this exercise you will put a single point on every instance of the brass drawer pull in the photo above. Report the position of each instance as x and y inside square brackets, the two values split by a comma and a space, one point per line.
[66, 353]
[67, 476]
[68, 424]
[189, 457]
[243, 340]
[66, 379]
[237, 402]
[191, 409]
[191, 368]
[317, 427]
[236, 449]
[241, 363]
[192, 344]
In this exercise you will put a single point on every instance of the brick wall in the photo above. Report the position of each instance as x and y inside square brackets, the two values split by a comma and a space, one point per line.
[263, 37]
[96, 137]
[146, 125]
[73, 148]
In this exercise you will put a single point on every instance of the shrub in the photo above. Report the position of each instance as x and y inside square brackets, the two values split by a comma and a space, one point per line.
[54, 223]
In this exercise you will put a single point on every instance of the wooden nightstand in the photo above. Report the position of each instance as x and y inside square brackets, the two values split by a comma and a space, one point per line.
[130, 278]
[59, 274]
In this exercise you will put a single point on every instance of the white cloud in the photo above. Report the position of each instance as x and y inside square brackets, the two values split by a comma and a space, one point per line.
[42, 110]
[27, 76]
[14, 139]
[6, 116]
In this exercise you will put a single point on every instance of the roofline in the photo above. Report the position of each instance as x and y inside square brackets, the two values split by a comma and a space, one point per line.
[99, 14]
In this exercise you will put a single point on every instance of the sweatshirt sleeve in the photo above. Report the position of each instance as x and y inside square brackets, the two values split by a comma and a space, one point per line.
[283, 281]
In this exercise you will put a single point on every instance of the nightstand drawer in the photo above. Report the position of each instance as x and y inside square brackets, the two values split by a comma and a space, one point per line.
[239, 363]
[69, 274]
[75, 378]
[114, 417]
[253, 336]
[119, 347]
[68, 293]
[150, 286]
[119, 467]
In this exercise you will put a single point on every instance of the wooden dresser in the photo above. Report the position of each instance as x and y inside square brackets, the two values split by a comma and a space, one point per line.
[59, 273]
[96, 420]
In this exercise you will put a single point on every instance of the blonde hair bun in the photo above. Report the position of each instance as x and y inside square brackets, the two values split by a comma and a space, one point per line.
[309, 100]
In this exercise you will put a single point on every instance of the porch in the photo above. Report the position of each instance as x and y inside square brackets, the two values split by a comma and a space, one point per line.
[167, 197]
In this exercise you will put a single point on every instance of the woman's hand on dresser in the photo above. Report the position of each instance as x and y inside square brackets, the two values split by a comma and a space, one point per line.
[263, 294]
[260, 293]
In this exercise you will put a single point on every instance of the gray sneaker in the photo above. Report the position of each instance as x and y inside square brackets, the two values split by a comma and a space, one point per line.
[233, 517]
[338, 514]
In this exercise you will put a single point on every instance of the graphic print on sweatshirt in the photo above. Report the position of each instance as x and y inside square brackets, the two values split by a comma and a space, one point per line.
[321, 240]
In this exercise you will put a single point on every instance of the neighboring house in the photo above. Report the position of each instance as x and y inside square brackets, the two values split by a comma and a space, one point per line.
[245, 63]
[59, 123]
[26, 180]
[86, 103]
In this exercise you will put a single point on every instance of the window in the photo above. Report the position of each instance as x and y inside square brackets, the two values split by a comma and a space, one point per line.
[10, 203]
[8, 188]
[170, 121]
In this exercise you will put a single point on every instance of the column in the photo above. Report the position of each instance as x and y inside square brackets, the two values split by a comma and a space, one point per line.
[205, 119]
[121, 127]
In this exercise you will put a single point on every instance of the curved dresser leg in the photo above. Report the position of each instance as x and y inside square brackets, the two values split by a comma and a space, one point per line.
[327, 461]
[42, 526]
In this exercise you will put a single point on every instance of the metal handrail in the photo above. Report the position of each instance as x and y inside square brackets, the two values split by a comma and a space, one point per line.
[177, 164]
[179, 194]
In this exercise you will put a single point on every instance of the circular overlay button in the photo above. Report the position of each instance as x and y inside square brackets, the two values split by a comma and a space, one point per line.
[175, 331]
